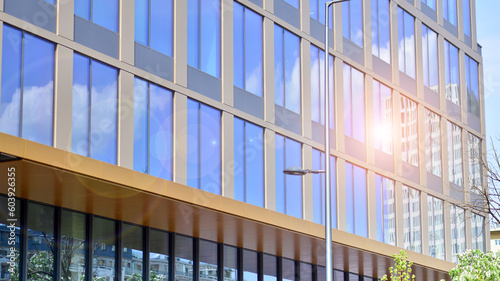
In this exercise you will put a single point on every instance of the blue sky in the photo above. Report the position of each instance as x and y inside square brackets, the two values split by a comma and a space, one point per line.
[488, 36]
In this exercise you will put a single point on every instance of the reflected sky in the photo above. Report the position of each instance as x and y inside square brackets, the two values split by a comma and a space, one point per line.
[406, 36]
[381, 43]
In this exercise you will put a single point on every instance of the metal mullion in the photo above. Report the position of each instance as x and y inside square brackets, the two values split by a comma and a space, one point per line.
[21, 100]
[23, 268]
[145, 253]
[220, 261]
[297, 270]
[279, 269]
[171, 256]
[89, 143]
[239, 263]
[260, 266]
[284, 161]
[91, 11]
[245, 160]
[89, 233]
[57, 243]
[284, 69]
[196, 259]
[199, 145]
[199, 36]
[118, 249]
[148, 125]
[244, 50]
[149, 25]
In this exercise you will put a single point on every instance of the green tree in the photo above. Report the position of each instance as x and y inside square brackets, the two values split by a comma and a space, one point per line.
[474, 265]
[402, 268]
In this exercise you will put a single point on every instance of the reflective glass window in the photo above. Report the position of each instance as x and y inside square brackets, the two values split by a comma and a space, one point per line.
[289, 270]
[450, 11]
[95, 102]
[318, 159]
[458, 238]
[132, 252]
[248, 162]
[101, 12]
[73, 245]
[248, 49]
[381, 30]
[230, 263]
[27, 86]
[250, 266]
[356, 200]
[455, 162]
[382, 119]
[104, 253]
[409, 131]
[318, 87]
[154, 24]
[472, 83]
[204, 147]
[208, 260]
[467, 18]
[152, 129]
[406, 35]
[41, 241]
[184, 258]
[430, 3]
[411, 218]
[158, 255]
[354, 103]
[452, 74]
[286, 69]
[433, 142]
[435, 216]
[430, 58]
[204, 41]
[306, 272]
[352, 21]
[317, 12]
[294, 3]
[10, 238]
[478, 232]
[270, 268]
[475, 162]
[386, 215]
[288, 187]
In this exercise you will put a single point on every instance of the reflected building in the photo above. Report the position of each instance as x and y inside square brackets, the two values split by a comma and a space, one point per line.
[147, 139]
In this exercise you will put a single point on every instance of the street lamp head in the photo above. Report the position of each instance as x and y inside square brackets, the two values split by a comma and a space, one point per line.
[295, 171]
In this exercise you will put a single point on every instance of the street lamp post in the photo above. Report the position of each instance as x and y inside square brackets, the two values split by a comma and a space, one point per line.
[299, 171]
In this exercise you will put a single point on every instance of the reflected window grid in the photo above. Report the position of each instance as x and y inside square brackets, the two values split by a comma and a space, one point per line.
[103, 13]
[354, 103]
[386, 215]
[406, 35]
[472, 83]
[475, 162]
[430, 58]
[154, 25]
[381, 29]
[455, 162]
[409, 131]
[411, 218]
[458, 239]
[452, 73]
[478, 232]
[433, 142]
[436, 227]
[318, 87]
[383, 117]
[352, 21]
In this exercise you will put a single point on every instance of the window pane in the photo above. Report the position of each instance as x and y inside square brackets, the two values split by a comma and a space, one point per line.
[475, 169]
[433, 142]
[430, 58]
[82, 8]
[279, 64]
[104, 253]
[10, 111]
[458, 240]
[292, 72]
[41, 238]
[193, 143]
[162, 26]
[193, 33]
[406, 31]
[293, 156]
[184, 258]
[466, 21]
[280, 176]
[210, 149]
[250, 267]
[230, 263]
[239, 160]
[239, 45]
[452, 73]
[436, 227]
[210, 11]
[478, 232]
[294, 3]
[472, 81]
[318, 159]
[360, 198]
[288, 270]
[158, 255]
[141, 21]
[132, 252]
[253, 52]
[352, 21]
[349, 193]
[141, 149]
[409, 131]
[208, 260]
[104, 101]
[81, 105]
[381, 30]
[270, 268]
[455, 169]
[306, 272]
[73, 246]
[105, 13]
[347, 101]
[354, 102]
[411, 218]
[254, 165]
[383, 129]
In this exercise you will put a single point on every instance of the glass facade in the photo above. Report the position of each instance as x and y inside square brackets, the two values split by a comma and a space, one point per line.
[248, 50]
[287, 69]
[386, 213]
[354, 103]
[475, 163]
[154, 24]
[27, 86]
[435, 215]
[103, 13]
[433, 142]
[478, 232]
[382, 120]
[153, 122]
[472, 83]
[204, 36]
[406, 37]
[458, 239]
[450, 11]
[318, 159]
[430, 58]
[356, 200]
[381, 30]
[466, 19]
[430, 3]
[451, 73]
[318, 87]
[95, 109]
[352, 21]
[288, 187]
[317, 11]
[204, 147]
[455, 162]
[409, 131]
[248, 162]
[411, 218]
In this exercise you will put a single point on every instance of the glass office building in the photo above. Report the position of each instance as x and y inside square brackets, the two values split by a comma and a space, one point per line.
[148, 138]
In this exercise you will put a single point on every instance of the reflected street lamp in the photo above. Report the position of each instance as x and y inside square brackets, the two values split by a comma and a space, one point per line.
[300, 172]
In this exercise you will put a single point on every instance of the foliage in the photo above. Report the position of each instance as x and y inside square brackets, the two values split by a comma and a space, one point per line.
[402, 269]
[474, 265]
